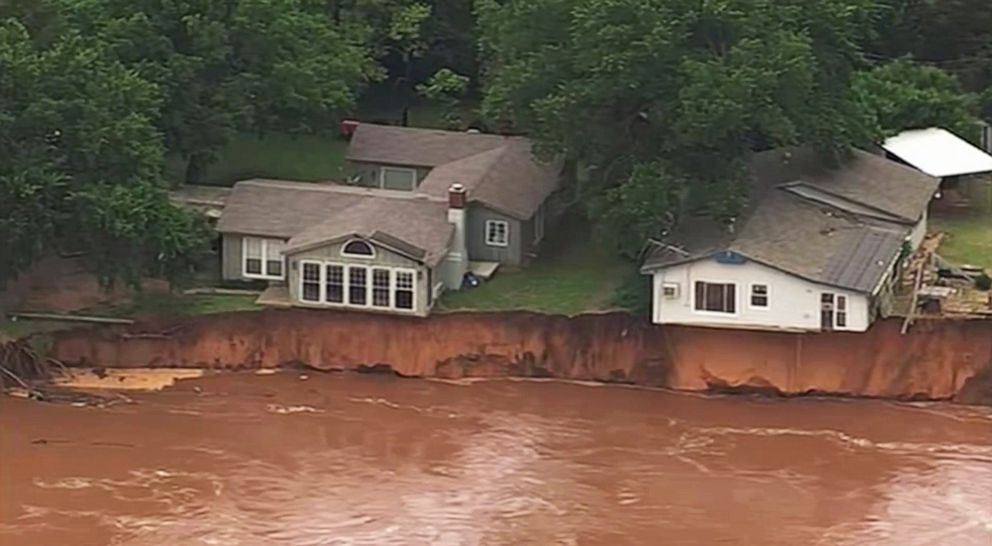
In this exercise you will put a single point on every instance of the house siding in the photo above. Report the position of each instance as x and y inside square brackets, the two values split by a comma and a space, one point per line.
[384, 257]
[475, 237]
[794, 303]
[368, 173]
[230, 263]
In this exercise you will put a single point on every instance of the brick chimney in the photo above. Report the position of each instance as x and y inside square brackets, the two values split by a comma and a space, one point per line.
[456, 262]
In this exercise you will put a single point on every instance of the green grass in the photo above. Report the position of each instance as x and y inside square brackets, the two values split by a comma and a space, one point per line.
[15, 329]
[573, 275]
[305, 158]
[969, 239]
[169, 304]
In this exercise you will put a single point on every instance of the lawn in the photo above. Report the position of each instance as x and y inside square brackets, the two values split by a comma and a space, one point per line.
[174, 304]
[573, 275]
[142, 305]
[286, 157]
[968, 240]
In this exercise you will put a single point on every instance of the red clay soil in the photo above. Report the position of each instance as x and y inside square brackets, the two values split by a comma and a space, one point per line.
[934, 361]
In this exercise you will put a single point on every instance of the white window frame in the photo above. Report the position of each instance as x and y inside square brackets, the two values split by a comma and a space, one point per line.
[506, 233]
[321, 285]
[360, 256]
[407, 170]
[750, 296]
[265, 259]
[737, 298]
[346, 304]
[837, 312]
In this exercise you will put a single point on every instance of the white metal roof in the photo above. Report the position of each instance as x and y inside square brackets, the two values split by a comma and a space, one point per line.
[938, 152]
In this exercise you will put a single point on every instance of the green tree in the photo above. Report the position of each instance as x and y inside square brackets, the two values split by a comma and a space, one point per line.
[81, 163]
[906, 95]
[237, 65]
[621, 84]
[445, 87]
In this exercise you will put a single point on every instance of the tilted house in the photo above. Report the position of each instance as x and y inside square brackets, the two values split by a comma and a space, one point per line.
[392, 245]
[965, 170]
[816, 249]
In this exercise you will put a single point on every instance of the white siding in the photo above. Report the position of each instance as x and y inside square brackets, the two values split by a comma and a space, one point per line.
[794, 303]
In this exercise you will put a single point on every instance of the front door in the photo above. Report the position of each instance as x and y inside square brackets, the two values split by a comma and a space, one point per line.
[827, 311]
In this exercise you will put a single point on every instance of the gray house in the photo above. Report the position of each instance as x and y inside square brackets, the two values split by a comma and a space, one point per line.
[424, 208]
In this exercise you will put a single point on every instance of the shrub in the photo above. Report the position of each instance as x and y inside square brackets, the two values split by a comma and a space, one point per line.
[983, 282]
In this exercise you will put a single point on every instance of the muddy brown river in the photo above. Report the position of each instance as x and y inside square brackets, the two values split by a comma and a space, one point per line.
[371, 460]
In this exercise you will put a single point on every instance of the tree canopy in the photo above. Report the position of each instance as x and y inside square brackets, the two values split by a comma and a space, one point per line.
[663, 101]
[82, 162]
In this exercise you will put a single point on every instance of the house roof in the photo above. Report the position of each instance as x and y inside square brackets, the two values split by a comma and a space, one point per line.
[508, 179]
[845, 236]
[499, 172]
[862, 179]
[310, 214]
[415, 227]
[938, 152]
[417, 147]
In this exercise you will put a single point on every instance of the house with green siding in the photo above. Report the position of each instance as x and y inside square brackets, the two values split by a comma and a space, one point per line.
[422, 210]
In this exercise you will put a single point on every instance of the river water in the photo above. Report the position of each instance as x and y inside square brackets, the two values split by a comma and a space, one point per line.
[370, 460]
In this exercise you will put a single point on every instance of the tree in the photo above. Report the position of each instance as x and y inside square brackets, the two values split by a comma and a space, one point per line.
[624, 84]
[444, 87]
[81, 163]
[238, 65]
[905, 95]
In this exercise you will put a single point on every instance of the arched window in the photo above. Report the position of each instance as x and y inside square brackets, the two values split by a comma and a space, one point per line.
[359, 249]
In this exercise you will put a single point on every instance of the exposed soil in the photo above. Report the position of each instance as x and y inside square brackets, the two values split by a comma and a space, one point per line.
[933, 362]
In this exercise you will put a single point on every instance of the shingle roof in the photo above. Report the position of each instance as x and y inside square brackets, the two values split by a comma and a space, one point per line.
[807, 237]
[864, 178]
[304, 213]
[420, 226]
[416, 147]
[508, 179]
[499, 172]
[938, 152]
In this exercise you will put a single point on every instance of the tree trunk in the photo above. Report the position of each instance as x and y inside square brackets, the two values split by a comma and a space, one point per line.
[195, 168]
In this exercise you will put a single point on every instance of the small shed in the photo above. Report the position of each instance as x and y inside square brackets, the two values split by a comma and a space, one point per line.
[964, 169]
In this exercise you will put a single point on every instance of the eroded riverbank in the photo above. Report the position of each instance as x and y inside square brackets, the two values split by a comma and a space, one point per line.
[243, 459]
[943, 360]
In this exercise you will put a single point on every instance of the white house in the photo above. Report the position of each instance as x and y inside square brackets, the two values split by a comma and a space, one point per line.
[815, 250]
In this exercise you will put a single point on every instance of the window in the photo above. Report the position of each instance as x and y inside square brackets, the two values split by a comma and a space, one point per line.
[273, 258]
[253, 256]
[497, 233]
[380, 287]
[334, 291]
[841, 315]
[357, 285]
[397, 178]
[716, 297]
[404, 290]
[263, 258]
[310, 282]
[359, 249]
[759, 296]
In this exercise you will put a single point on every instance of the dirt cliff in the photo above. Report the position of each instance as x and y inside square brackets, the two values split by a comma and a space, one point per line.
[936, 360]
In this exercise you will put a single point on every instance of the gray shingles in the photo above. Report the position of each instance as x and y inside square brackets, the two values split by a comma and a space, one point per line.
[309, 214]
[417, 147]
[808, 237]
[499, 172]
